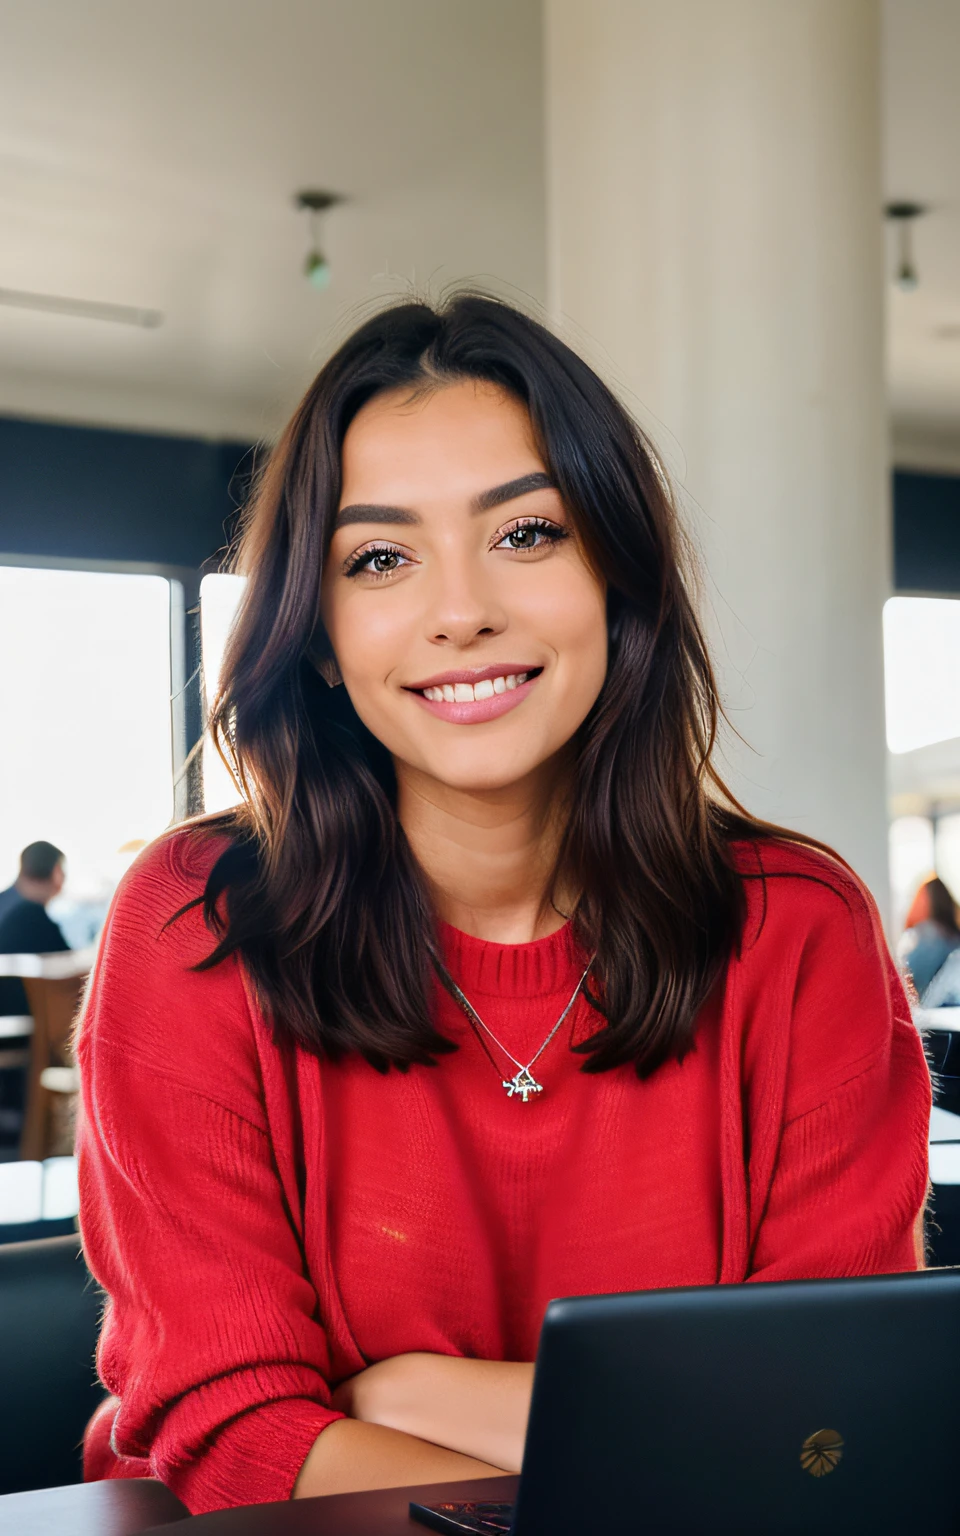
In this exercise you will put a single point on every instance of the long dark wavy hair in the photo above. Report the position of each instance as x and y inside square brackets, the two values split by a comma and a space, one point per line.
[318, 891]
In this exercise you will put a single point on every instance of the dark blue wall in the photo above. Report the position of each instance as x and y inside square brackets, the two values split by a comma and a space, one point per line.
[926, 532]
[89, 494]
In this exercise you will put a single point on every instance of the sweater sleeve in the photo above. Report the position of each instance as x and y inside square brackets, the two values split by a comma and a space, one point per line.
[211, 1338]
[847, 1179]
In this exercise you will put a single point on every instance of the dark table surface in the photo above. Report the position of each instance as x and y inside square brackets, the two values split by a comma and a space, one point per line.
[118, 1508]
[383, 1513]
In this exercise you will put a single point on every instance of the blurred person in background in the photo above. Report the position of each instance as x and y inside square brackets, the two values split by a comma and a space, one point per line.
[40, 864]
[944, 989]
[931, 933]
[26, 928]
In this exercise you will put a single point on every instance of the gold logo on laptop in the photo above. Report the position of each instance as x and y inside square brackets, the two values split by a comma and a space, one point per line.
[821, 1452]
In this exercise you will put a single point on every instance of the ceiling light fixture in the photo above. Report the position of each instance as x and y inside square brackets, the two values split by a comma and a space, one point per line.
[903, 216]
[316, 268]
[81, 309]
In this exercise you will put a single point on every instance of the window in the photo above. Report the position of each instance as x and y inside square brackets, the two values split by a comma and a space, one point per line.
[921, 637]
[219, 601]
[921, 646]
[911, 862]
[86, 758]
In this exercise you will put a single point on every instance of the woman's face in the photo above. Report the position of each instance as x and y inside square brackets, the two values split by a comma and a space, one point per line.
[468, 625]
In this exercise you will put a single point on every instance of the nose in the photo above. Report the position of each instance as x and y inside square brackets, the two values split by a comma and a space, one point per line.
[463, 608]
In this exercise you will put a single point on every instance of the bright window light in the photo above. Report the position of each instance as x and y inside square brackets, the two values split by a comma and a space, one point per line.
[921, 647]
[61, 1196]
[86, 758]
[912, 860]
[948, 851]
[31, 1191]
[21, 1192]
[219, 600]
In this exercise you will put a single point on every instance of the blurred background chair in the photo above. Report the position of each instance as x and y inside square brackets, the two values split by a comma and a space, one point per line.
[15, 1032]
[51, 1089]
[941, 1028]
[37, 1082]
[943, 1221]
[49, 1316]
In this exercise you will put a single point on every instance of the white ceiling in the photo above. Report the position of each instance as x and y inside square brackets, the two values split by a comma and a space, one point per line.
[921, 93]
[149, 153]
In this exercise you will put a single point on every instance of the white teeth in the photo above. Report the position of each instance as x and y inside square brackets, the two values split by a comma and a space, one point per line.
[467, 693]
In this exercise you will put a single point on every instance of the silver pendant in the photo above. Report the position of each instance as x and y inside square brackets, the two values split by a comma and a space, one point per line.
[523, 1085]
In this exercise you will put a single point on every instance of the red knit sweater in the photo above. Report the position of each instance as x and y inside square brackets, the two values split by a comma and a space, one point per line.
[266, 1224]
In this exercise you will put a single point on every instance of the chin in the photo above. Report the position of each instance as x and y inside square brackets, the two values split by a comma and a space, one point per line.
[479, 774]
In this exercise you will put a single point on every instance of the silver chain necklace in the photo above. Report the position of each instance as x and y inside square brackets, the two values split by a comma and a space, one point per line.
[524, 1084]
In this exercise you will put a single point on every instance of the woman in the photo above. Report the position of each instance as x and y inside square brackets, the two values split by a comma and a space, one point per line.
[931, 934]
[487, 994]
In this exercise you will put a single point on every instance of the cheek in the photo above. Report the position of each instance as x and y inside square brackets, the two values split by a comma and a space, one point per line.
[368, 636]
[570, 614]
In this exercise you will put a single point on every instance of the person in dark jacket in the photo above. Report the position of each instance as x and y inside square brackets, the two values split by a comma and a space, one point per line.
[25, 926]
[25, 929]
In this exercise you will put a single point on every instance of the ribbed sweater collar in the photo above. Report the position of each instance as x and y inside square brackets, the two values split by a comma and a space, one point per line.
[512, 970]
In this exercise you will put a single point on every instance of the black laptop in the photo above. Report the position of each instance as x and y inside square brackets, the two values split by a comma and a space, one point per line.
[821, 1406]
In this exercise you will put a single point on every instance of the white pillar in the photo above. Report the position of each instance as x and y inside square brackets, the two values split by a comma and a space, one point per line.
[714, 247]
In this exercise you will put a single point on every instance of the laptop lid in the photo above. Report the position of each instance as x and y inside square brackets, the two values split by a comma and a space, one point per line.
[814, 1406]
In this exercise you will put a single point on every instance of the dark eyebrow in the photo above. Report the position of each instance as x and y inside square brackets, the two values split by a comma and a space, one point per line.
[537, 481]
[371, 513]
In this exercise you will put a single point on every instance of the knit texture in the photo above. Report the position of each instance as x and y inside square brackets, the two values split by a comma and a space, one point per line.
[266, 1224]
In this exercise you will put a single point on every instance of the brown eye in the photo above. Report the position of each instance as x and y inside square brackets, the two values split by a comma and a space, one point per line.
[533, 535]
[378, 560]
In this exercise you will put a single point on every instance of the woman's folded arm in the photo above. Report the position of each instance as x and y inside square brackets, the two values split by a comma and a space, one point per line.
[478, 1408]
[350, 1457]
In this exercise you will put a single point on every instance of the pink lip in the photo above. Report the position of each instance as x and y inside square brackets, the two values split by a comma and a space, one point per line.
[474, 675]
[476, 711]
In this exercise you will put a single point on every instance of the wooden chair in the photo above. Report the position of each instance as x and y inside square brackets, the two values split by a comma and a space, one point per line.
[51, 1094]
[15, 1032]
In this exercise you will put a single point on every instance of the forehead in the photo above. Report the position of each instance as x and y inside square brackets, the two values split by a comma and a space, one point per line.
[464, 433]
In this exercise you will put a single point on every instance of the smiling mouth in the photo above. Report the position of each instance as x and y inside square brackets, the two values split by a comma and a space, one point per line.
[470, 698]
[487, 688]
